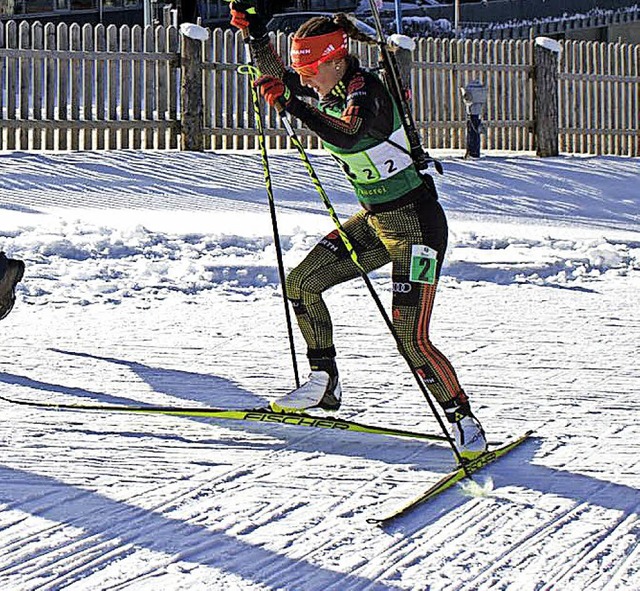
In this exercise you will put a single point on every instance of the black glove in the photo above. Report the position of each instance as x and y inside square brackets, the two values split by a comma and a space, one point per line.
[11, 272]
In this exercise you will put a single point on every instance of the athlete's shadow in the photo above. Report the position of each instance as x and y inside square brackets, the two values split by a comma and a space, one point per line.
[207, 389]
[80, 516]
[211, 390]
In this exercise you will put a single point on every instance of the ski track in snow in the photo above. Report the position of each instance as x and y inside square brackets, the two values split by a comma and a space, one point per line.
[148, 285]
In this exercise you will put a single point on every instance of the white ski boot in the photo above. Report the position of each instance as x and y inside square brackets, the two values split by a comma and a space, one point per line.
[321, 390]
[469, 437]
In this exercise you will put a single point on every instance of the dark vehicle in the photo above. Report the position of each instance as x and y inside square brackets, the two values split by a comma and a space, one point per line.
[289, 22]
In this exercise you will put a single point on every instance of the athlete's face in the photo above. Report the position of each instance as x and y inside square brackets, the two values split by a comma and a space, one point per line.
[323, 76]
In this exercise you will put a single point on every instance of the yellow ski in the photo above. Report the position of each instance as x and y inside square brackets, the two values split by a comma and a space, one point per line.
[450, 479]
[258, 415]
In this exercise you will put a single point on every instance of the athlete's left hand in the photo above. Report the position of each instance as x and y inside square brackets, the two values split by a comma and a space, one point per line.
[274, 90]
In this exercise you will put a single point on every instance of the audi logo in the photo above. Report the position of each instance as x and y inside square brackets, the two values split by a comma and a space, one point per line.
[401, 287]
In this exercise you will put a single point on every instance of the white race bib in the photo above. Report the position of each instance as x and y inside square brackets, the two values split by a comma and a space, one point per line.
[378, 163]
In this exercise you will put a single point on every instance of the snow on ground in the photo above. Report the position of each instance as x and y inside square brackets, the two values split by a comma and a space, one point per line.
[151, 279]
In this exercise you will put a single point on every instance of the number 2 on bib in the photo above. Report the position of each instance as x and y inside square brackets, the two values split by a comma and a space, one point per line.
[424, 262]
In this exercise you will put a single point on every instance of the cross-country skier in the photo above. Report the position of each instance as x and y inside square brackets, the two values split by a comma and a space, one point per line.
[11, 272]
[401, 220]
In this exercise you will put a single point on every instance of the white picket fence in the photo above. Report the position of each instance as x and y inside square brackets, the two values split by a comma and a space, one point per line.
[93, 88]
[599, 89]
[88, 88]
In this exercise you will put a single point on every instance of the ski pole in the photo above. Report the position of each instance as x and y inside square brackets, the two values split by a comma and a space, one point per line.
[253, 72]
[354, 257]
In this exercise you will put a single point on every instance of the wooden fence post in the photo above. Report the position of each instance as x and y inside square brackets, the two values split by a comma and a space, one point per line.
[191, 107]
[546, 57]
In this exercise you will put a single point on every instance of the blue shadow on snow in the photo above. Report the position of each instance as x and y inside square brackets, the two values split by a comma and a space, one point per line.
[219, 392]
[124, 524]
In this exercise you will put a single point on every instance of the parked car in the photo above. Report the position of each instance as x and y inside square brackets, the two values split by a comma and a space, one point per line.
[289, 22]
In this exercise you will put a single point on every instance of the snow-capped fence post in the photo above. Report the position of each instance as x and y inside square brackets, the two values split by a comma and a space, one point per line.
[546, 57]
[191, 102]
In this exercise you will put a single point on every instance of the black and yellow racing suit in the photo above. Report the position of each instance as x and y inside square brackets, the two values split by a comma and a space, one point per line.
[360, 126]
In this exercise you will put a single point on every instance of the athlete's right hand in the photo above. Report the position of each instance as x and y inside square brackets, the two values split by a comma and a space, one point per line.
[245, 17]
[273, 91]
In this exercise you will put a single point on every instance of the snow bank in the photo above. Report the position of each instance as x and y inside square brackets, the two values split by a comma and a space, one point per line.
[81, 263]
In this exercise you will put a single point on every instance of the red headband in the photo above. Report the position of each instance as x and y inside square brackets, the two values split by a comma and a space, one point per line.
[321, 48]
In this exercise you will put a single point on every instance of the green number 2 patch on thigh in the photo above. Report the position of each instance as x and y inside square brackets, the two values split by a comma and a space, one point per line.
[424, 261]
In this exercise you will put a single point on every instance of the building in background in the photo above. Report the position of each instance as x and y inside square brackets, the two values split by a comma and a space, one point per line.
[210, 12]
[117, 12]
[583, 20]
[588, 20]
